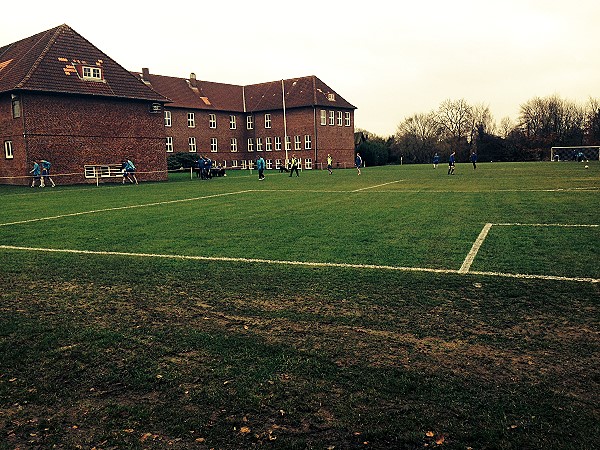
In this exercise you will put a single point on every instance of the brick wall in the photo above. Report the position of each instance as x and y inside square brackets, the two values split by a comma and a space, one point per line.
[74, 131]
[337, 140]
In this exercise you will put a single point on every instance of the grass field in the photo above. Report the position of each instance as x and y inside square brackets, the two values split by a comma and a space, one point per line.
[400, 309]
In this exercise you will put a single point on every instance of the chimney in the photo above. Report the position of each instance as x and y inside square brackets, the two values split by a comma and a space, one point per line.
[145, 73]
[193, 79]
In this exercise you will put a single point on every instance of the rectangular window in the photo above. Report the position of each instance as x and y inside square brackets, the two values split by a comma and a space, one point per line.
[267, 120]
[307, 142]
[234, 164]
[339, 119]
[269, 164]
[244, 164]
[297, 143]
[250, 144]
[347, 119]
[192, 144]
[259, 144]
[234, 144]
[249, 122]
[288, 142]
[16, 106]
[92, 73]
[308, 163]
[277, 143]
[8, 150]
[268, 144]
[168, 120]
[277, 164]
[331, 117]
[169, 143]
[323, 117]
[232, 124]
[191, 120]
[212, 121]
[214, 145]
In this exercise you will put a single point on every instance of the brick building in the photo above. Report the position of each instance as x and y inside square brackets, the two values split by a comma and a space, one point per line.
[63, 100]
[234, 124]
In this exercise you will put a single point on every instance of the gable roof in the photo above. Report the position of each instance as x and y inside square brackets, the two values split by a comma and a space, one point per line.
[196, 94]
[52, 61]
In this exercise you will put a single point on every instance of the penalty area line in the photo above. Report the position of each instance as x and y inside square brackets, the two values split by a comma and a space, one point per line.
[379, 185]
[466, 265]
[296, 263]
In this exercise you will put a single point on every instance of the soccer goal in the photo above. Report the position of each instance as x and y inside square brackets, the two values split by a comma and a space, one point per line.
[581, 153]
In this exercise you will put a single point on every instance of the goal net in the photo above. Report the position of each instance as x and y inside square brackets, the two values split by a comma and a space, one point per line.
[581, 153]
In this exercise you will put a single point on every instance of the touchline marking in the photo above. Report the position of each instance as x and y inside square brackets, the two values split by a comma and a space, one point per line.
[563, 225]
[298, 263]
[117, 208]
[379, 185]
[466, 265]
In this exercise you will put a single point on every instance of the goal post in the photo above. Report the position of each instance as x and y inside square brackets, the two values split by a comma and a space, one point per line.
[576, 153]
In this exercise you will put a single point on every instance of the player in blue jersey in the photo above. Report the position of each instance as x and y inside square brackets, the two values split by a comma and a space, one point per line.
[451, 163]
[46, 173]
[36, 171]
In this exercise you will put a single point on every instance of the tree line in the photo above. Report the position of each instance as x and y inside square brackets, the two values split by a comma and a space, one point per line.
[458, 126]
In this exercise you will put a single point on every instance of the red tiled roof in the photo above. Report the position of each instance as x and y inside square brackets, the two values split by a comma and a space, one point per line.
[206, 95]
[52, 60]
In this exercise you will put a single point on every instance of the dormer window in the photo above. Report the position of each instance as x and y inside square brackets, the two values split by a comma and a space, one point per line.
[331, 97]
[92, 73]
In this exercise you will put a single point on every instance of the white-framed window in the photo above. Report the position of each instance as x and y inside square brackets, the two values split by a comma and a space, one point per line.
[340, 121]
[277, 164]
[331, 97]
[288, 142]
[250, 144]
[214, 146]
[297, 142]
[234, 144]
[192, 144]
[168, 119]
[307, 142]
[269, 164]
[212, 121]
[267, 120]
[8, 150]
[244, 164]
[169, 144]
[191, 120]
[249, 122]
[16, 106]
[268, 144]
[331, 117]
[308, 163]
[347, 119]
[232, 124]
[259, 147]
[92, 73]
[277, 143]
[323, 117]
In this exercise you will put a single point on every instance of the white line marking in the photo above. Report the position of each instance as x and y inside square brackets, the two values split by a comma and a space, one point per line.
[545, 225]
[117, 208]
[379, 185]
[298, 263]
[476, 245]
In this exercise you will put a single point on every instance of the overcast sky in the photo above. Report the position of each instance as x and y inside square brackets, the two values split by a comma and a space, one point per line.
[390, 59]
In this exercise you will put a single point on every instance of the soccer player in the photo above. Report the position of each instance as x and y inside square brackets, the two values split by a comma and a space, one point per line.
[36, 174]
[451, 163]
[358, 162]
[474, 159]
[260, 165]
[436, 160]
[46, 173]
[294, 166]
[329, 163]
[128, 171]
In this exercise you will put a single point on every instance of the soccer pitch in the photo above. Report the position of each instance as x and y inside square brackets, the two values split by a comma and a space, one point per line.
[508, 220]
[402, 308]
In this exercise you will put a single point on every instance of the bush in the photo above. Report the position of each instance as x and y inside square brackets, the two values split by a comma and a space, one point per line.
[176, 161]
